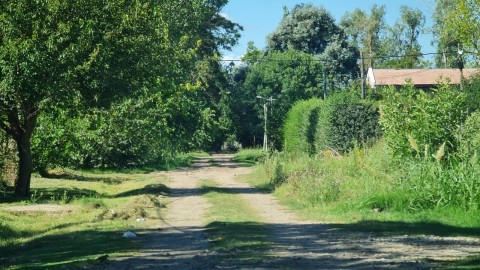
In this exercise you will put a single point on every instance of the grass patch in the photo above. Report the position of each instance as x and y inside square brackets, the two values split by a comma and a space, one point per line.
[369, 191]
[250, 156]
[234, 228]
[98, 208]
[348, 189]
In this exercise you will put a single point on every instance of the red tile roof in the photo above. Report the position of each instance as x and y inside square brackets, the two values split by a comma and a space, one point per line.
[418, 76]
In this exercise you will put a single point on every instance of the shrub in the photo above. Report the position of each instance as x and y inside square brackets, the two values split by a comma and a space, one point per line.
[300, 126]
[354, 123]
[415, 121]
[346, 121]
[468, 136]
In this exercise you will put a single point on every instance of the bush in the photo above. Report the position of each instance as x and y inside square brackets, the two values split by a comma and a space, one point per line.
[353, 124]
[346, 121]
[468, 136]
[300, 126]
[415, 121]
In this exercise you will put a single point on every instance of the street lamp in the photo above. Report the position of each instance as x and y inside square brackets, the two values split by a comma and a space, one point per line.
[265, 114]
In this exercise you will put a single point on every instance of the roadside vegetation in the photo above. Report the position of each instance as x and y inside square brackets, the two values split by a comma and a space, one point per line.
[419, 166]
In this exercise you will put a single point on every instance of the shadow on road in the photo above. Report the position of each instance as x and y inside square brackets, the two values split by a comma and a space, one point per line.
[314, 246]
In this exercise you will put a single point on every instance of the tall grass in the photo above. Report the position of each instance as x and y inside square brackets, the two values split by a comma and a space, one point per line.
[369, 178]
[456, 183]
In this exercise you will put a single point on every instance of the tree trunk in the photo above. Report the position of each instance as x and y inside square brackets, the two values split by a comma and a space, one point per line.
[25, 166]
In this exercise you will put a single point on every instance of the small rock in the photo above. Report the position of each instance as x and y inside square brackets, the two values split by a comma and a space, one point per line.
[140, 219]
[129, 234]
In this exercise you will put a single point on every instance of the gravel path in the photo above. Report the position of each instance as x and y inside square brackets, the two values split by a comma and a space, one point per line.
[180, 242]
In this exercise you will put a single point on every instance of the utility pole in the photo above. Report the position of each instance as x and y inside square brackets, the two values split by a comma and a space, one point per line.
[265, 116]
[460, 54]
[362, 78]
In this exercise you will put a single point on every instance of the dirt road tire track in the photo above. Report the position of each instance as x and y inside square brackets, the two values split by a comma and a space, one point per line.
[180, 241]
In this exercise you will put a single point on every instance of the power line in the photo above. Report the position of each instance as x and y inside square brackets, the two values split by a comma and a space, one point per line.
[345, 59]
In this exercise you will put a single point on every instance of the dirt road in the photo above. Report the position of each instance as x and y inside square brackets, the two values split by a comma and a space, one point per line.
[181, 242]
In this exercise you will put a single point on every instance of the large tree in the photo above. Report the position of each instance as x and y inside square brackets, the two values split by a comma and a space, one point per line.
[313, 30]
[55, 52]
[457, 23]
[305, 28]
[365, 29]
[401, 40]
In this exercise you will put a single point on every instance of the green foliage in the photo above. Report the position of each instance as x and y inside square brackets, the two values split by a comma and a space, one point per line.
[310, 29]
[352, 185]
[428, 119]
[250, 155]
[344, 122]
[7, 160]
[402, 40]
[285, 81]
[460, 22]
[305, 28]
[468, 136]
[471, 88]
[454, 184]
[118, 81]
[132, 133]
[355, 124]
[300, 126]
[364, 30]
[445, 39]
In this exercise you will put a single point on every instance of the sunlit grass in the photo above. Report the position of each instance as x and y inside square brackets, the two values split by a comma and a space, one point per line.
[366, 185]
[93, 212]
[250, 155]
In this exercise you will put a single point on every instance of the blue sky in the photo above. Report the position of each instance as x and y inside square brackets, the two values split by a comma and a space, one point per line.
[261, 17]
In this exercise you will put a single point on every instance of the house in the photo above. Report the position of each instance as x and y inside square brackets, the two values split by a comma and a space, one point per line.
[421, 78]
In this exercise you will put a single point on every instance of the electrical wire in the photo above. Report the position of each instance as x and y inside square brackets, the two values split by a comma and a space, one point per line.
[344, 59]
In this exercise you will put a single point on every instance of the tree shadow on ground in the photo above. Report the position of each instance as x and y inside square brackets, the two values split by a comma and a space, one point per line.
[296, 246]
[65, 251]
[152, 189]
[49, 195]
[409, 228]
